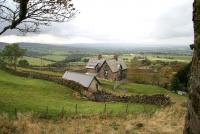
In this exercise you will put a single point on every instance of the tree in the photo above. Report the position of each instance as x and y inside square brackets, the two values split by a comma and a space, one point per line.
[85, 60]
[11, 53]
[176, 84]
[23, 63]
[183, 76]
[155, 79]
[2, 63]
[28, 15]
[166, 71]
[146, 62]
[192, 122]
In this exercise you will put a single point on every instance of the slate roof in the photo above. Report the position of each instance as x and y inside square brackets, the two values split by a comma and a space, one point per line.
[83, 79]
[124, 66]
[112, 63]
[92, 63]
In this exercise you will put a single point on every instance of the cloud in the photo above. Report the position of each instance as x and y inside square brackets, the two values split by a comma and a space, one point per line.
[128, 21]
[175, 22]
[46, 39]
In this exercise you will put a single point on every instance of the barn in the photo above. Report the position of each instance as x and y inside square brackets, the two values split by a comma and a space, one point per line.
[113, 69]
[88, 81]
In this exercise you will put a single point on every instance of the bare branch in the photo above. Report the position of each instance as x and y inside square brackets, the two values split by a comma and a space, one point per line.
[33, 13]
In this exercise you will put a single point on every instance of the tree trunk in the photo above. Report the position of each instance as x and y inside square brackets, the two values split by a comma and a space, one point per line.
[192, 124]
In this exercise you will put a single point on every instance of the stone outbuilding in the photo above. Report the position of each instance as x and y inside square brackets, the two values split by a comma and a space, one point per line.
[90, 82]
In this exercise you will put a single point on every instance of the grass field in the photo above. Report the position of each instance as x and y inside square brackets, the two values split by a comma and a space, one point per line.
[137, 88]
[37, 61]
[161, 57]
[170, 58]
[140, 89]
[40, 71]
[55, 57]
[27, 94]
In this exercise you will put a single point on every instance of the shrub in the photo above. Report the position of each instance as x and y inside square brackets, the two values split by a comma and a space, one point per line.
[23, 63]
[175, 84]
[180, 80]
[85, 60]
[2, 62]
[146, 62]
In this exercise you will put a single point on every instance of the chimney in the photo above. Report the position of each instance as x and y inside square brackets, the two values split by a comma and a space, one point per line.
[99, 56]
[115, 57]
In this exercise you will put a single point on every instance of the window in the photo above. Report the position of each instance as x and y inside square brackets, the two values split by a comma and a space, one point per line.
[106, 72]
[97, 86]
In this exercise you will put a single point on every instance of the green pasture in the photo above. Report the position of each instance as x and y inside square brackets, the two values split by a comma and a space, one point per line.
[34, 95]
[37, 61]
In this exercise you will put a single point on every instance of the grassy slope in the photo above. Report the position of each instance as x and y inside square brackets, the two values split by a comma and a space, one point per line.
[40, 71]
[137, 89]
[34, 95]
[37, 61]
[55, 57]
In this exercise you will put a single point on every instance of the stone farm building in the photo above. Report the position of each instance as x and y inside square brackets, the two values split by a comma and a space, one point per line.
[113, 69]
[90, 82]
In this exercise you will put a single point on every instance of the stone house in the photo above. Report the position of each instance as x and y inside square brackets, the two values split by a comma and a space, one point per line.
[113, 69]
[90, 82]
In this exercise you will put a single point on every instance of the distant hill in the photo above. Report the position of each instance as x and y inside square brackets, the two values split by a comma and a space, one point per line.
[104, 48]
[2, 45]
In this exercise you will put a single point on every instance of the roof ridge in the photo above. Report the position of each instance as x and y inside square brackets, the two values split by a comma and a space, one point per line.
[80, 73]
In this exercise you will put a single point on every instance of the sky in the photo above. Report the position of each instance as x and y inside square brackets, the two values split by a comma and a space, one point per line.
[157, 22]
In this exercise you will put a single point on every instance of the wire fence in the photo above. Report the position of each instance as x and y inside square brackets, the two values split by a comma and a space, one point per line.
[48, 113]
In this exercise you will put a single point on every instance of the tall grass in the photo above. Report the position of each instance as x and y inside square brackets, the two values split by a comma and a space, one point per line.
[166, 121]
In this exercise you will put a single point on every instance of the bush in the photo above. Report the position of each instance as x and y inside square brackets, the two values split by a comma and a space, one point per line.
[184, 73]
[85, 60]
[175, 84]
[146, 62]
[2, 64]
[23, 63]
[180, 80]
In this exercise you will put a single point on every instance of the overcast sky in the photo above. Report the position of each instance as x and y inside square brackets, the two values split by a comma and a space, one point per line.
[120, 21]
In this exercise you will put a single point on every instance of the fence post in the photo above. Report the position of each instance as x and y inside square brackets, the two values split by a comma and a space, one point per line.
[105, 108]
[62, 112]
[144, 109]
[127, 108]
[76, 108]
[15, 110]
[47, 110]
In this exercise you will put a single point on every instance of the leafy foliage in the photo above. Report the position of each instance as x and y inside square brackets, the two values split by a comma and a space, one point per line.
[2, 63]
[23, 63]
[176, 84]
[11, 53]
[180, 80]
